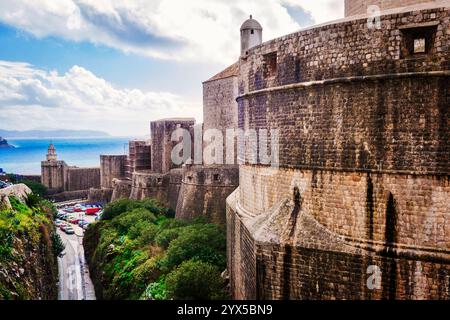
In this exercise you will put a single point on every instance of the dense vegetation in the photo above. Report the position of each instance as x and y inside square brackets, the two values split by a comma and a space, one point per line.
[28, 245]
[137, 252]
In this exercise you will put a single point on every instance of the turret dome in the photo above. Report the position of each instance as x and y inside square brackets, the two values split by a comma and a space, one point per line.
[251, 24]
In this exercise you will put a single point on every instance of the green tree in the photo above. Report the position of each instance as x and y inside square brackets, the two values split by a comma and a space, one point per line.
[57, 244]
[126, 220]
[195, 280]
[201, 242]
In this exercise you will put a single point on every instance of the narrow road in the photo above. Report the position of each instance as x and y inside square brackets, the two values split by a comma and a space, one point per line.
[74, 280]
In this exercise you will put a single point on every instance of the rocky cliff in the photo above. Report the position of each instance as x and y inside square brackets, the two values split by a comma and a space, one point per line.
[28, 268]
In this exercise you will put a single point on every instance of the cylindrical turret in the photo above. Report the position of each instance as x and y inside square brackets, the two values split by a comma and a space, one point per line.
[251, 35]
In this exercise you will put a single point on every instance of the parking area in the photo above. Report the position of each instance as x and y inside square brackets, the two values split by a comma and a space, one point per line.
[73, 219]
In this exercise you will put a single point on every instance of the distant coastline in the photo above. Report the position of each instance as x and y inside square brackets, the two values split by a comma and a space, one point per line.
[53, 134]
[5, 145]
[26, 157]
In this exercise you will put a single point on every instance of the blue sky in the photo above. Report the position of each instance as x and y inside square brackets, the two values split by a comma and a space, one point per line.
[126, 62]
[122, 69]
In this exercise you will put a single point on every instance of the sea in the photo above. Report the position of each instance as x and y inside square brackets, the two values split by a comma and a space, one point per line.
[26, 157]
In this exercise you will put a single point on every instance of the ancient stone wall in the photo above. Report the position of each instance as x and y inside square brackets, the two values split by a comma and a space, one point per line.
[347, 49]
[219, 103]
[355, 7]
[273, 257]
[69, 195]
[100, 195]
[146, 184]
[364, 156]
[161, 133]
[111, 167]
[204, 190]
[121, 189]
[82, 178]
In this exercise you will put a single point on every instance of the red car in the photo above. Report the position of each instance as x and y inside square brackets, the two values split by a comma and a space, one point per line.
[92, 211]
[74, 220]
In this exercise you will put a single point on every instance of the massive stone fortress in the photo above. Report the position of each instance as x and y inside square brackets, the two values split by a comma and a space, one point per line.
[358, 207]
[363, 183]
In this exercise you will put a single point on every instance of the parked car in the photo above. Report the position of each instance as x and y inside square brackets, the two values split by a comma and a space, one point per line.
[58, 222]
[92, 211]
[85, 226]
[69, 230]
[69, 209]
[74, 220]
[63, 226]
[82, 222]
[64, 217]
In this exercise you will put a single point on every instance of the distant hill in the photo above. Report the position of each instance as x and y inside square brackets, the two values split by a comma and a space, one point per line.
[5, 144]
[42, 134]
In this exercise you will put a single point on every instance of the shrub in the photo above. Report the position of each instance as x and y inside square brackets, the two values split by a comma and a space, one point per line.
[6, 243]
[195, 280]
[126, 220]
[202, 242]
[147, 236]
[164, 238]
[116, 208]
[146, 273]
[33, 200]
[155, 291]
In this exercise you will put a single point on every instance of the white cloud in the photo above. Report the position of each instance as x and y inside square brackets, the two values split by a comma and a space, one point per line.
[320, 10]
[168, 29]
[32, 98]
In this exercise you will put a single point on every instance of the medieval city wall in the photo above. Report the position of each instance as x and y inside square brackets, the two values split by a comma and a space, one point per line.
[161, 147]
[364, 156]
[219, 104]
[82, 178]
[121, 189]
[322, 265]
[204, 190]
[111, 167]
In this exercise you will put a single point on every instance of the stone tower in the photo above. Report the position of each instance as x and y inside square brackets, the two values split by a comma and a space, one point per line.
[51, 153]
[251, 35]
[53, 172]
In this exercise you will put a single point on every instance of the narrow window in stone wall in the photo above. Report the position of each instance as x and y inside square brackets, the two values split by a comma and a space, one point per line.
[417, 40]
[216, 177]
[270, 65]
